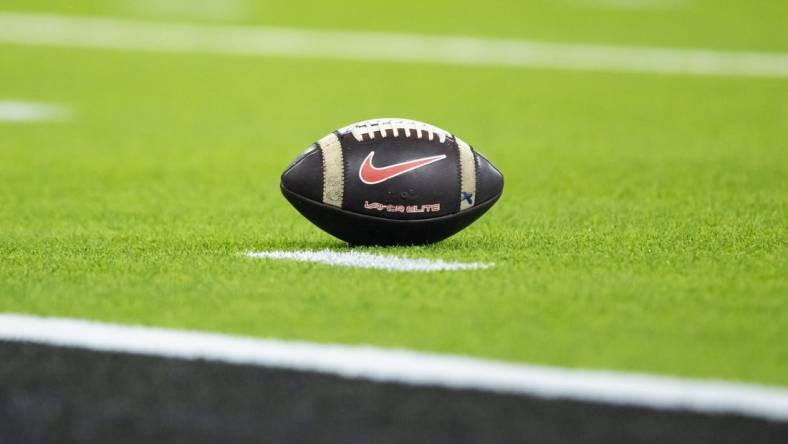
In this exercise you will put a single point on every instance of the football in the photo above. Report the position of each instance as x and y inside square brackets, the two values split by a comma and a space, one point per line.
[391, 182]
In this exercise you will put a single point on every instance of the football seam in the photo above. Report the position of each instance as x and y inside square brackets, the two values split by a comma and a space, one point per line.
[370, 126]
[459, 174]
[476, 162]
[322, 167]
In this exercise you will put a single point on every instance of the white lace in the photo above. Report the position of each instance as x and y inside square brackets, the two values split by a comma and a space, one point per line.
[384, 127]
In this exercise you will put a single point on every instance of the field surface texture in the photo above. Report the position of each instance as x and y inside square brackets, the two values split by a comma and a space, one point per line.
[642, 228]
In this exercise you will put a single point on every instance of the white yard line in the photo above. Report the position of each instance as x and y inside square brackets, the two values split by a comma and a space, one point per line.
[408, 367]
[110, 33]
[19, 111]
[367, 260]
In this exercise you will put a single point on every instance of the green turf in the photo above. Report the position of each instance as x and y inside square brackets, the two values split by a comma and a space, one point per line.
[721, 24]
[643, 224]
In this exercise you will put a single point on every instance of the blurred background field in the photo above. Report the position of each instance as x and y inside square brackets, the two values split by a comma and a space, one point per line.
[643, 223]
[726, 24]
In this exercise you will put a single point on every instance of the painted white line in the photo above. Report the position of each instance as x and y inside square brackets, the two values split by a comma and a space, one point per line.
[107, 33]
[17, 111]
[408, 367]
[367, 260]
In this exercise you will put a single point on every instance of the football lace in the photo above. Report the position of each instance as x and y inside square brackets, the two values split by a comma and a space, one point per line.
[394, 127]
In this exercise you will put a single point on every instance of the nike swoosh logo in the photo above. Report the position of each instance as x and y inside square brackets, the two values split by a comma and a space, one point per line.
[370, 174]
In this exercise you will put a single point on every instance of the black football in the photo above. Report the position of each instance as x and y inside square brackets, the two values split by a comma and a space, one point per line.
[391, 182]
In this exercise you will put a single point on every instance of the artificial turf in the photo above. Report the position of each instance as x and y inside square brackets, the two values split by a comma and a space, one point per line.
[642, 227]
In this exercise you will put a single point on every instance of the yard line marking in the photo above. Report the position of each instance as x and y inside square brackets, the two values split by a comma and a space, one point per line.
[367, 260]
[408, 367]
[109, 33]
[19, 111]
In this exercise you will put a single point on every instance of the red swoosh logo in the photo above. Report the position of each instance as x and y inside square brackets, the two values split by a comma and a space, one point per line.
[370, 174]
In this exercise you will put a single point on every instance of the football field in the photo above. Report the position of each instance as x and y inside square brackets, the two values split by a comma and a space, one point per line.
[642, 227]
